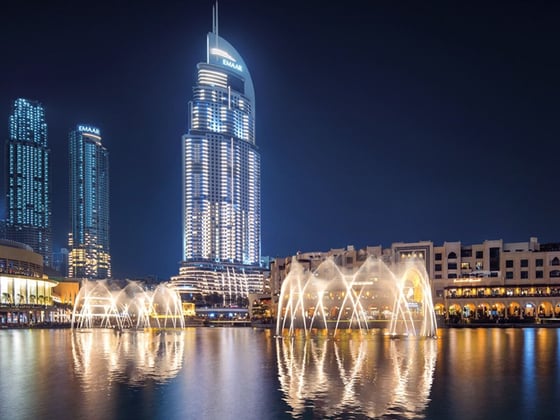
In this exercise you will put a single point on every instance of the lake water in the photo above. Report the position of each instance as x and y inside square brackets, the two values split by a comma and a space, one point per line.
[245, 373]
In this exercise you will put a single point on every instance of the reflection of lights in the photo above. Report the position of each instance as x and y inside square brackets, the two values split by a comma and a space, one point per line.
[369, 375]
[104, 356]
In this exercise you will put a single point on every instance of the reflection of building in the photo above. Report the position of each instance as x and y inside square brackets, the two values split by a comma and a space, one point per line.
[88, 241]
[481, 282]
[27, 179]
[25, 293]
[221, 178]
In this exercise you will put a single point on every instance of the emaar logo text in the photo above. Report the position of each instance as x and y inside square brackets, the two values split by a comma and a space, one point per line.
[231, 64]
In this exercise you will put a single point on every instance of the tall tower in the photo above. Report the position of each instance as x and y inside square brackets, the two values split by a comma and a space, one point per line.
[221, 174]
[88, 240]
[27, 179]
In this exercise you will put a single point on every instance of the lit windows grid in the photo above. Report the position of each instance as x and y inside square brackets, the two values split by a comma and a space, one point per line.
[221, 200]
[89, 187]
[28, 200]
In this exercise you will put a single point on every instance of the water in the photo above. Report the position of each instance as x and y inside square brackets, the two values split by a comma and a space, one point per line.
[245, 373]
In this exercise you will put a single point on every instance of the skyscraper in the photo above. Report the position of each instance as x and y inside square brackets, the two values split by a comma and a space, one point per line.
[88, 241]
[221, 176]
[27, 179]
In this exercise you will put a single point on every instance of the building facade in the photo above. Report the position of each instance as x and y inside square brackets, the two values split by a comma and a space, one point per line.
[488, 282]
[89, 253]
[221, 177]
[28, 213]
[26, 294]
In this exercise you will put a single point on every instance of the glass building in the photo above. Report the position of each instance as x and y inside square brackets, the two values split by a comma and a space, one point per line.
[28, 215]
[88, 241]
[221, 176]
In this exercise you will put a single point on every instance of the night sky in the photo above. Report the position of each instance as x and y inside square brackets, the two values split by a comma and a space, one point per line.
[377, 121]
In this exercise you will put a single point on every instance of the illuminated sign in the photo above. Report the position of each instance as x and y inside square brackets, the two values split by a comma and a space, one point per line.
[88, 129]
[232, 64]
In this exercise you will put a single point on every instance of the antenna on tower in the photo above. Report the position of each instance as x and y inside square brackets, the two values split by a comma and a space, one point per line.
[215, 21]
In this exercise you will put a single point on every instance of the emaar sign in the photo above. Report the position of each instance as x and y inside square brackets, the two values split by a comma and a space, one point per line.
[232, 64]
[88, 129]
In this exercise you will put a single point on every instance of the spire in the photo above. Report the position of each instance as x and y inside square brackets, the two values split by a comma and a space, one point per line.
[215, 21]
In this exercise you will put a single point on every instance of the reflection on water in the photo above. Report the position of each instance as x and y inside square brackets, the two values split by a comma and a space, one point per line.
[245, 373]
[101, 357]
[371, 375]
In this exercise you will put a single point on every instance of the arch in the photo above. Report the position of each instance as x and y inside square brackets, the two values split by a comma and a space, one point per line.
[545, 310]
[483, 310]
[555, 261]
[439, 309]
[469, 310]
[453, 256]
[498, 310]
[529, 310]
[514, 310]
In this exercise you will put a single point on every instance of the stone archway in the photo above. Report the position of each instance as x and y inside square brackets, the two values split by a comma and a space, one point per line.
[529, 310]
[498, 310]
[469, 310]
[483, 311]
[514, 310]
[439, 309]
[545, 310]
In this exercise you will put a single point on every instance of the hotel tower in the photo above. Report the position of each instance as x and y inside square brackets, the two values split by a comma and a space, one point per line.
[28, 212]
[221, 178]
[88, 240]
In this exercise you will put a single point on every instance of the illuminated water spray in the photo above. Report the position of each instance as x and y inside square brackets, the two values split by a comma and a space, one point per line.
[99, 304]
[375, 294]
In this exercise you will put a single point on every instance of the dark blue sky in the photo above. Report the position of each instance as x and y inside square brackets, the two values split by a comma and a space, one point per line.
[377, 121]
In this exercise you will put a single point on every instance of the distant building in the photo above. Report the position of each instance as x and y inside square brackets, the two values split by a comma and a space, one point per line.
[221, 178]
[89, 254]
[60, 261]
[470, 283]
[28, 205]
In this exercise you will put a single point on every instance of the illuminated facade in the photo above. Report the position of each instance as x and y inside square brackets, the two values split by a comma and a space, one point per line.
[27, 179]
[221, 173]
[88, 241]
[489, 282]
[26, 294]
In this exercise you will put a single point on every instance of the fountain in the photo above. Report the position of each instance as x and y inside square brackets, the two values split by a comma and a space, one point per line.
[375, 295]
[105, 305]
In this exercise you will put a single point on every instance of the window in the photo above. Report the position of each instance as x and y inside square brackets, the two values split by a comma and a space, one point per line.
[509, 275]
[452, 276]
[524, 274]
[479, 254]
[438, 276]
[465, 266]
[539, 262]
[438, 267]
[539, 274]
[555, 273]
[524, 263]
[451, 256]
[555, 261]
[438, 256]
[509, 263]
[452, 266]
[466, 252]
